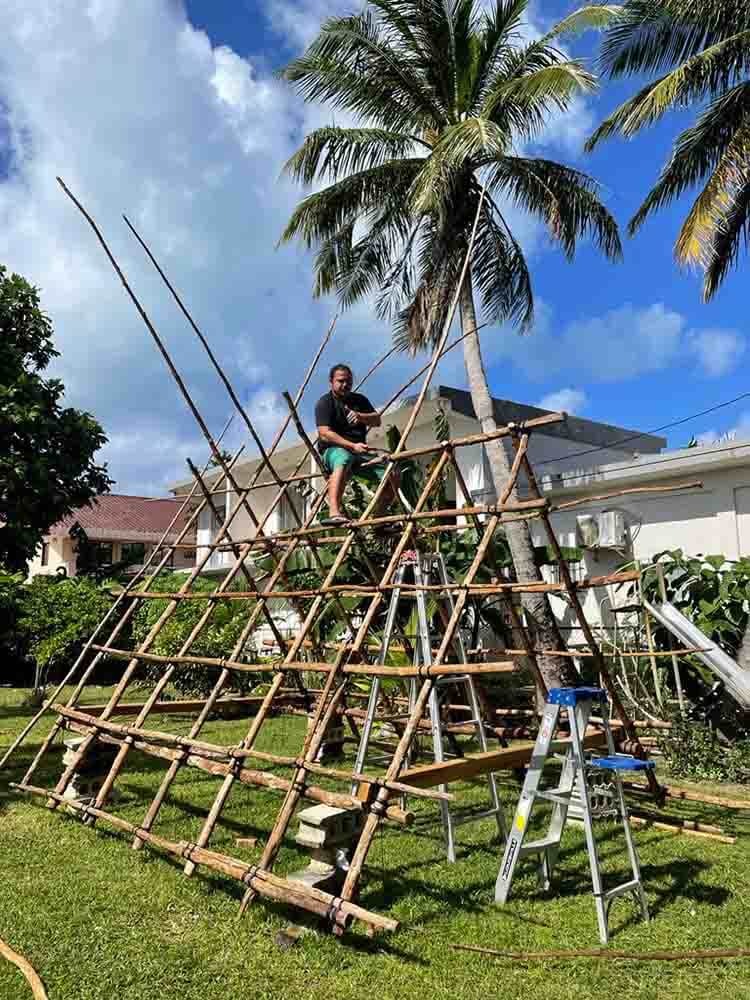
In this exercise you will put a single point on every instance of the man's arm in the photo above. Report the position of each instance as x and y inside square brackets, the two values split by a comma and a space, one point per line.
[330, 436]
[367, 419]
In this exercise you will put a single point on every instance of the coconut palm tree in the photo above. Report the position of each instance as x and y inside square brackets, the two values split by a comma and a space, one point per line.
[445, 95]
[701, 51]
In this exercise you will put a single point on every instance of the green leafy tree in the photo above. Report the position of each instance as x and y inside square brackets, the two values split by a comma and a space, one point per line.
[447, 94]
[220, 634]
[47, 463]
[57, 616]
[700, 53]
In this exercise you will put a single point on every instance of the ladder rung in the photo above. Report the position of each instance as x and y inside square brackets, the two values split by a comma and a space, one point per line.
[620, 890]
[535, 846]
[554, 795]
[460, 820]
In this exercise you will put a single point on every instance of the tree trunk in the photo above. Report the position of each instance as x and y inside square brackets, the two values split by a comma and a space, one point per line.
[556, 670]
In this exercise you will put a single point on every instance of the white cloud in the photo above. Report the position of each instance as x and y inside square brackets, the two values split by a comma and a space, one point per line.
[621, 344]
[566, 400]
[718, 351]
[740, 431]
[139, 113]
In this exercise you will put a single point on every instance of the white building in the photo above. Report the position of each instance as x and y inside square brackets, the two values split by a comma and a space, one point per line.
[553, 447]
[710, 517]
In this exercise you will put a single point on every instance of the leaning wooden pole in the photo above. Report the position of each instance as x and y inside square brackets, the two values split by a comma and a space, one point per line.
[599, 661]
[121, 598]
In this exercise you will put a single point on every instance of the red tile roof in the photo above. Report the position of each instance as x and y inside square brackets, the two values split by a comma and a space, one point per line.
[114, 516]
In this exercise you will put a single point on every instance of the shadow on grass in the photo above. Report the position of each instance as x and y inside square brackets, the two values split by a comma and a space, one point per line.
[216, 882]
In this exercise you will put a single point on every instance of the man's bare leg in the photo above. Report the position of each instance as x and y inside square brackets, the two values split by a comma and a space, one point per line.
[336, 485]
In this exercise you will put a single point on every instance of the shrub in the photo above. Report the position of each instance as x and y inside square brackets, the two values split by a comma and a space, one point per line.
[57, 616]
[216, 639]
[691, 750]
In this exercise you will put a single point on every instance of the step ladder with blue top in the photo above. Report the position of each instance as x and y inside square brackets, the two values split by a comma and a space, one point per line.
[578, 702]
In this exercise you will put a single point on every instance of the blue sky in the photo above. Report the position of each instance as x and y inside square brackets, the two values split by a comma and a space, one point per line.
[170, 113]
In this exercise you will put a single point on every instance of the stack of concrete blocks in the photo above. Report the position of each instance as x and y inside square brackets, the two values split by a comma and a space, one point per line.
[87, 781]
[329, 834]
[332, 746]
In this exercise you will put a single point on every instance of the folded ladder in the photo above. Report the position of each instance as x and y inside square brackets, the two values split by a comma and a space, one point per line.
[424, 567]
[578, 702]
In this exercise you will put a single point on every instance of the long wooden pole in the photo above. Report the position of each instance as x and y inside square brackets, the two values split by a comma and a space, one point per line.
[265, 707]
[126, 594]
[600, 665]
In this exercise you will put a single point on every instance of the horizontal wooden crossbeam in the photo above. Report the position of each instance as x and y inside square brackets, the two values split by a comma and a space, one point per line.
[428, 775]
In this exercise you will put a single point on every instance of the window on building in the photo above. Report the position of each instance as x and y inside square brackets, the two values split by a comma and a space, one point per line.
[287, 520]
[133, 553]
[103, 553]
[45, 553]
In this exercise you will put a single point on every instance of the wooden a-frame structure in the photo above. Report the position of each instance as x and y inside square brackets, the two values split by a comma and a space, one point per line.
[241, 763]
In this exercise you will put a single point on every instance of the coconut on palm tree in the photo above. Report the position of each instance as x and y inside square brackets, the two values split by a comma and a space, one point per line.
[446, 94]
[700, 50]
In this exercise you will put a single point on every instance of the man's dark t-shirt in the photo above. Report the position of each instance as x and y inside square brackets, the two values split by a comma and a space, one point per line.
[331, 412]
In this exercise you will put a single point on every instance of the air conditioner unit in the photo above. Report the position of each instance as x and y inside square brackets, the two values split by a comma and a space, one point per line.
[612, 530]
[606, 530]
[587, 526]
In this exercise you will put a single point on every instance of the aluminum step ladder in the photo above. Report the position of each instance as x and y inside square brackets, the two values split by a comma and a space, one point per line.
[424, 567]
[578, 702]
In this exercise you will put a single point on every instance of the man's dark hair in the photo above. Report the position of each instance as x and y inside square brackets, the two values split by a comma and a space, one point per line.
[339, 368]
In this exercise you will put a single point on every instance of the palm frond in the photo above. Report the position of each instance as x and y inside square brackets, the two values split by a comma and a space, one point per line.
[732, 231]
[716, 199]
[593, 17]
[334, 151]
[322, 214]
[566, 199]
[704, 75]
[351, 65]
[652, 35]
[500, 272]
[500, 30]
[458, 148]
[697, 151]
[527, 99]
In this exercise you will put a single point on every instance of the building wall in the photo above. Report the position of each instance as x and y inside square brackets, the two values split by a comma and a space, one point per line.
[711, 520]
[61, 553]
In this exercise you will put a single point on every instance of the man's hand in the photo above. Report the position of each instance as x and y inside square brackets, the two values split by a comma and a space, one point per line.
[360, 448]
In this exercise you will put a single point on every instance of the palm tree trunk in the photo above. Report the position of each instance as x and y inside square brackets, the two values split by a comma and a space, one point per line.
[556, 670]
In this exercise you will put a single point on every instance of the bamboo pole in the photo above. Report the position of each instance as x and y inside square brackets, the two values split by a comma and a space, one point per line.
[381, 801]
[124, 680]
[288, 808]
[601, 666]
[625, 492]
[515, 617]
[210, 763]
[687, 795]
[706, 954]
[687, 827]
[320, 903]
[126, 593]
[650, 642]
[675, 664]
[267, 703]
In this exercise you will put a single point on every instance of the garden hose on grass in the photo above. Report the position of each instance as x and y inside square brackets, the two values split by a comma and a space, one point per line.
[37, 986]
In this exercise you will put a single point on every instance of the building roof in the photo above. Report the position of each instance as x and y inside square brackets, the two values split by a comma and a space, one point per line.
[573, 429]
[663, 467]
[116, 517]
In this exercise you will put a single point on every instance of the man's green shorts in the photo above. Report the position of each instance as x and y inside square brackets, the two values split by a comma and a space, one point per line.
[337, 458]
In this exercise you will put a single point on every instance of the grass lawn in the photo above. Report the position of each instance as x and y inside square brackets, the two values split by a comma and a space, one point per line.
[98, 920]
